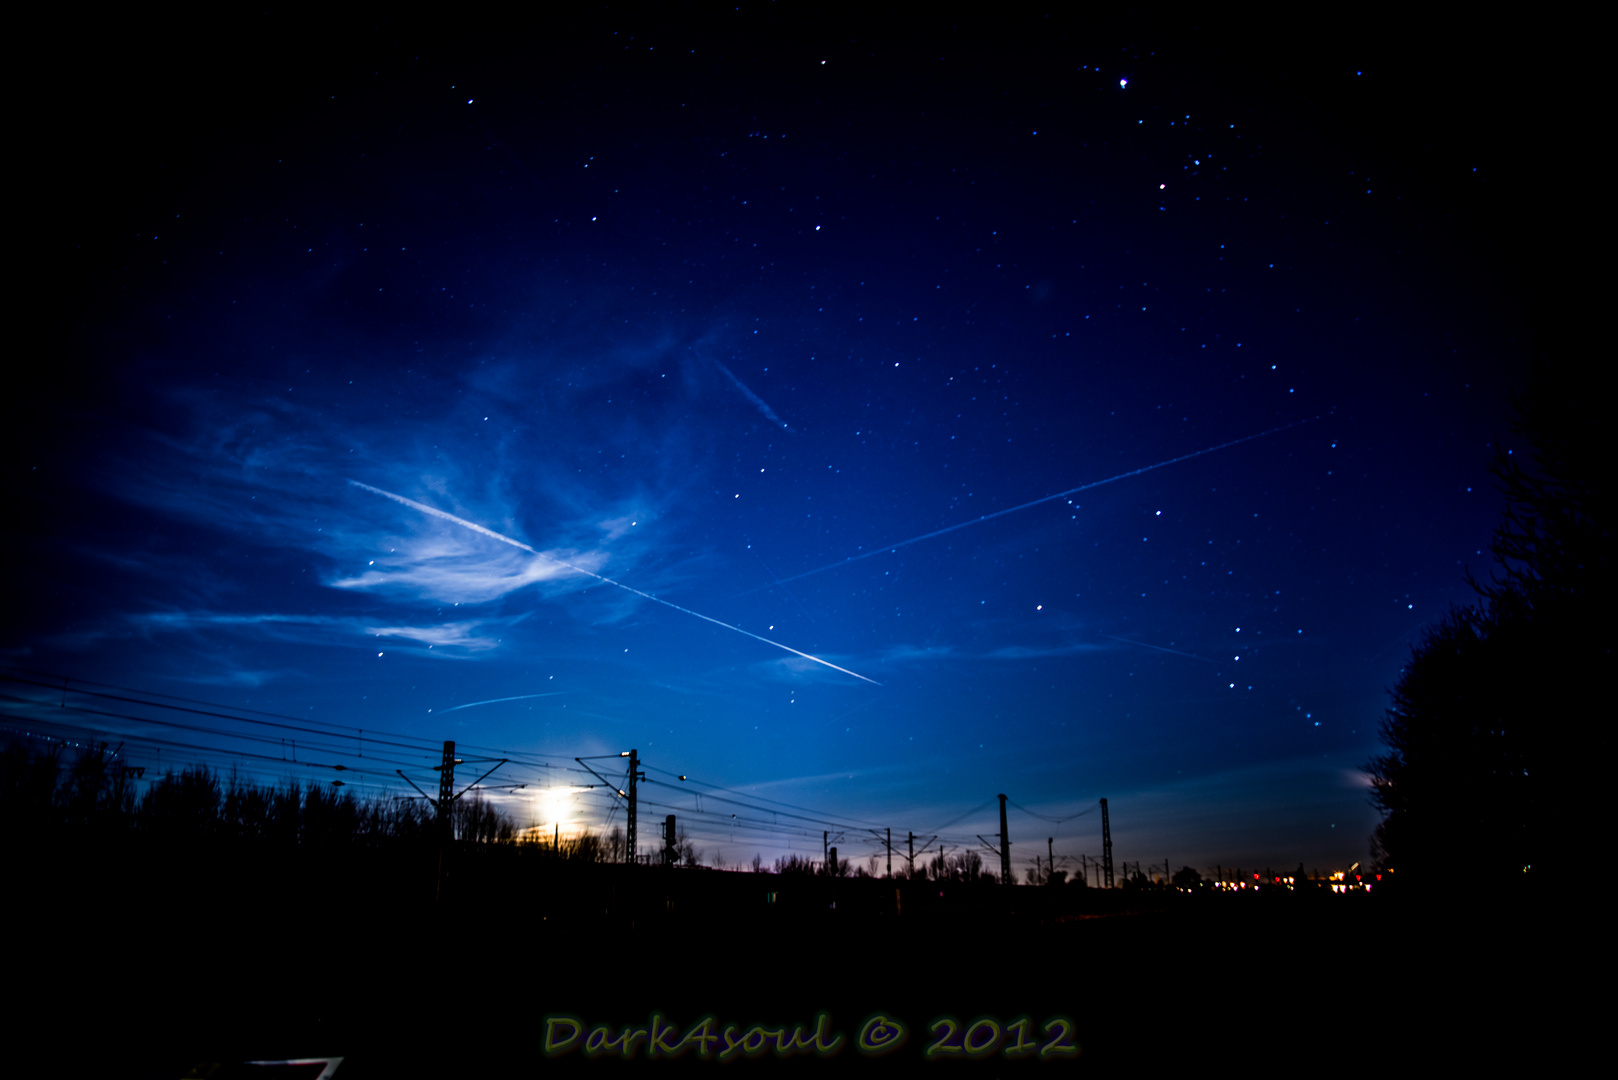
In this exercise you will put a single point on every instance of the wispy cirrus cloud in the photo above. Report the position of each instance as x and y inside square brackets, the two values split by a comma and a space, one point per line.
[455, 639]
[904, 653]
[456, 569]
[1034, 652]
[464, 636]
[238, 678]
[482, 530]
[275, 473]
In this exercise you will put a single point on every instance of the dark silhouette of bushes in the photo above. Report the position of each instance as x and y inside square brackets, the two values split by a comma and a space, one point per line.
[183, 806]
[28, 785]
[95, 791]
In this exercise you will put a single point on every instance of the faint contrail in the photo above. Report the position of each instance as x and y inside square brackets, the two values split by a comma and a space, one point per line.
[770, 572]
[1159, 648]
[498, 700]
[769, 413]
[491, 534]
[1026, 505]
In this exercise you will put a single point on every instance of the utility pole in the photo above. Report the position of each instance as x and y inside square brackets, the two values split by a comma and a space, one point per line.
[1005, 847]
[825, 841]
[446, 801]
[670, 853]
[444, 805]
[630, 851]
[887, 841]
[911, 861]
[446, 788]
[1106, 846]
[1050, 859]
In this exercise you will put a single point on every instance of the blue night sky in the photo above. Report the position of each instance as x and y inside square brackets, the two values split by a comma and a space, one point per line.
[708, 389]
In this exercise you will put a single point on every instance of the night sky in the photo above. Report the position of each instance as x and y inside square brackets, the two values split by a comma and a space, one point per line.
[870, 422]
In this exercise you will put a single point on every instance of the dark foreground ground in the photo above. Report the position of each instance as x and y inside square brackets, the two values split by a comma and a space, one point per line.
[186, 978]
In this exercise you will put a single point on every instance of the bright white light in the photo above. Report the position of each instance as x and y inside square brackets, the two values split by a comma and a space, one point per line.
[552, 806]
[1122, 83]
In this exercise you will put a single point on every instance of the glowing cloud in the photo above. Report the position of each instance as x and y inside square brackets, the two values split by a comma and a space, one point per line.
[475, 527]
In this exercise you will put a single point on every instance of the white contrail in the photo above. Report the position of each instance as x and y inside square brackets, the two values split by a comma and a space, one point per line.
[491, 534]
[1024, 506]
[465, 524]
[769, 413]
[498, 700]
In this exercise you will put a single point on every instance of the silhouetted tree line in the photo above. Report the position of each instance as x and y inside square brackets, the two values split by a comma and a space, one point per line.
[94, 793]
[1495, 726]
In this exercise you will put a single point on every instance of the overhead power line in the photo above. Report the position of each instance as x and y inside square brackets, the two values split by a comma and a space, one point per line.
[48, 700]
[1053, 820]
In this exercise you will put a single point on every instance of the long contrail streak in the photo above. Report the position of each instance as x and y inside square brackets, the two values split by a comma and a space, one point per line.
[1024, 506]
[491, 534]
[498, 700]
